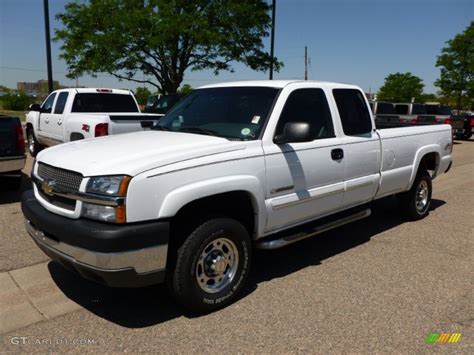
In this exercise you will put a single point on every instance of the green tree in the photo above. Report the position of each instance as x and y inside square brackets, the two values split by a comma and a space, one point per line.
[16, 101]
[141, 94]
[456, 63]
[185, 89]
[401, 87]
[156, 41]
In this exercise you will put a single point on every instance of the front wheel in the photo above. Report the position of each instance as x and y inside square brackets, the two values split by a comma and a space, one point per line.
[33, 146]
[415, 203]
[212, 265]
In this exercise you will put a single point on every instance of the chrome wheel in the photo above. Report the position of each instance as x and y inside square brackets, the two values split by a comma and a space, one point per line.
[421, 198]
[217, 265]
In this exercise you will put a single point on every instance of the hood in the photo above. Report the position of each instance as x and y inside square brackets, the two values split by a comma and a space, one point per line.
[133, 153]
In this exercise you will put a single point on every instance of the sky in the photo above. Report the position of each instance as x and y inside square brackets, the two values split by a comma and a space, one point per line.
[351, 41]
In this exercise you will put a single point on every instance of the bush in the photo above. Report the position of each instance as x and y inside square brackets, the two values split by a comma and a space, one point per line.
[16, 102]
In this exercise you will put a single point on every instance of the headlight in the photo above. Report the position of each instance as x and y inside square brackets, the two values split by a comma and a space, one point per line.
[113, 186]
[108, 185]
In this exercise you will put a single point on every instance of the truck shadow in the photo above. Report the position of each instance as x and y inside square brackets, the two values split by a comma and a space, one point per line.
[9, 194]
[138, 308]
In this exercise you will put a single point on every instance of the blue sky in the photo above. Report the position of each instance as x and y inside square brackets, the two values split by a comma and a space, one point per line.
[352, 41]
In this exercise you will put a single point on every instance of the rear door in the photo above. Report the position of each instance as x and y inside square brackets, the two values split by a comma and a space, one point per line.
[361, 145]
[305, 179]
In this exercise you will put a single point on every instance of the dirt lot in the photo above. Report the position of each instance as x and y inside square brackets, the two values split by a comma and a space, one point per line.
[378, 285]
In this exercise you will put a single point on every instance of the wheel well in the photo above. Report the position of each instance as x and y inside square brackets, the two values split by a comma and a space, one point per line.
[236, 204]
[429, 162]
[29, 126]
[76, 136]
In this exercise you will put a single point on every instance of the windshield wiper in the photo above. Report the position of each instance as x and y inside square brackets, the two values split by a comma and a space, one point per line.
[198, 130]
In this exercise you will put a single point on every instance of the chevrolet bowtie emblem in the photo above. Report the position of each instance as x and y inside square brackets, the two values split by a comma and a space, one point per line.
[48, 187]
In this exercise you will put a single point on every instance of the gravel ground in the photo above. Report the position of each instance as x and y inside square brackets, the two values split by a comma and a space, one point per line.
[377, 285]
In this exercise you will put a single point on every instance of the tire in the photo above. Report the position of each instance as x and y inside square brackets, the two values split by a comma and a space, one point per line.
[33, 146]
[466, 135]
[12, 183]
[415, 203]
[212, 265]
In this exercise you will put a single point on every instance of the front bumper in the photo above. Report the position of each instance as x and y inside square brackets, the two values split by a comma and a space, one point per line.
[131, 255]
[11, 164]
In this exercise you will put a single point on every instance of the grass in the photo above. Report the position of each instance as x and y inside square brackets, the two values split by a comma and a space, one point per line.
[20, 114]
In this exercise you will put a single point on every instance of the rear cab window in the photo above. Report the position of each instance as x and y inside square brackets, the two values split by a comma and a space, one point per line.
[353, 111]
[103, 103]
[401, 109]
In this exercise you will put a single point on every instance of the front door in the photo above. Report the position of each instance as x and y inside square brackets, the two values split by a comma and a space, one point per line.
[304, 180]
[45, 124]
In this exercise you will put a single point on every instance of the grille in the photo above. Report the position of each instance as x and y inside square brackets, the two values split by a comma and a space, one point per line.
[64, 178]
[59, 201]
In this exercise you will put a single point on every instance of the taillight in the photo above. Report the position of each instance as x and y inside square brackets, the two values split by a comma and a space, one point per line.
[102, 129]
[20, 139]
[414, 120]
[472, 122]
[447, 121]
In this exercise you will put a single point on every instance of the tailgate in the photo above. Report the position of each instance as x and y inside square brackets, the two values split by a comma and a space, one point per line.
[387, 121]
[124, 123]
[7, 136]
[426, 119]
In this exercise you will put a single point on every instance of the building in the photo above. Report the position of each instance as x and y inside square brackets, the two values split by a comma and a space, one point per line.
[40, 87]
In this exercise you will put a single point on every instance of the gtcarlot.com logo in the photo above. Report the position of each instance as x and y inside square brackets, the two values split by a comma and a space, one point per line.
[50, 341]
[443, 338]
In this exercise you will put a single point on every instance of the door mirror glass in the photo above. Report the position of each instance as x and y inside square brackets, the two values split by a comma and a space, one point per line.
[294, 132]
[35, 107]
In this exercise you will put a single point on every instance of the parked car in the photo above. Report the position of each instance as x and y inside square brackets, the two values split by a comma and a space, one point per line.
[384, 114]
[414, 114]
[164, 104]
[73, 114]
[151, 101]
[233, 167]
[12, 150]
[443, 114]
[468, 126]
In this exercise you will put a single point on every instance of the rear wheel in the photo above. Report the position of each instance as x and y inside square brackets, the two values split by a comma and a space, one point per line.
[415, 203]
[466, 135]
[212, 265]
[33, 146]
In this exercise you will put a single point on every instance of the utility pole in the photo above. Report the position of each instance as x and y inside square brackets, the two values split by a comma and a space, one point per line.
[272, 39]
[48, 45]
[305, 63]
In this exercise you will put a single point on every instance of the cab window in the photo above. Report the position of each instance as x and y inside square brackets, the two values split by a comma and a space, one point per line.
[47, 106]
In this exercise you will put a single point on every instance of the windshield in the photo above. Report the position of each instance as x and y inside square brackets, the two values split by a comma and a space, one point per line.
[229, 112]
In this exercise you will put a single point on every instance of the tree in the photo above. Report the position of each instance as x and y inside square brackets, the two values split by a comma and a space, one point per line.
[185, 89]
[401, 87]
[156, 41]
[141, 94]
[457, 68]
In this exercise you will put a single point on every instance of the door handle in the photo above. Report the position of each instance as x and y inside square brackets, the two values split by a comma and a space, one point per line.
[46, 121]
[60, 123]
[337, 154]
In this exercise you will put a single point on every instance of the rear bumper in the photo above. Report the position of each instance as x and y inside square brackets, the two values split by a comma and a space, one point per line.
[116, 255]
[10, 164]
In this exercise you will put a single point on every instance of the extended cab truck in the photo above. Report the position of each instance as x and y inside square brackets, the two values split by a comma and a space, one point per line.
[232, 167]
[414, 114]
[12, 150]
[384, 114]
[73, 114]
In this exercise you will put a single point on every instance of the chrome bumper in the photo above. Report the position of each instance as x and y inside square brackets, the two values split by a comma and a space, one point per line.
[142, 260]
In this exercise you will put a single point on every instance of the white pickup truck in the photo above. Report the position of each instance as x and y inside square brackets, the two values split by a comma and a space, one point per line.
[73, 114]
[232, 167]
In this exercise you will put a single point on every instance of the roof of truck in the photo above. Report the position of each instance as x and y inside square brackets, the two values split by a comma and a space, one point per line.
[97, 90]
[276, 83]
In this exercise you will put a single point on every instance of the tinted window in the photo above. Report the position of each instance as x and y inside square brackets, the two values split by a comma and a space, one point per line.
[385, 108]
[232, 112]
[401, 109]
[61, 102]
[309, 106]
[48, 104]
[355, 117]
[91, 102]
[438, 110]
[418, 109]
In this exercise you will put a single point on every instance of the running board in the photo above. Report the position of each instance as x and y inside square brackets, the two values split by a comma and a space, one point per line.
[293, 238]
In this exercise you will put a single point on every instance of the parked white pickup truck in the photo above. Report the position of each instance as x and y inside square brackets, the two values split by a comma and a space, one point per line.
[233, 166]
[73, 114]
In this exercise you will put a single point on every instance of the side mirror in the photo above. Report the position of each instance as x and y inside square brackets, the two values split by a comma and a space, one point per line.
[294, 132]
[35, 107]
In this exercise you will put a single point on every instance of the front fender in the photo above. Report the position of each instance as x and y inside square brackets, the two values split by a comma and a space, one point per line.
[183, 195]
